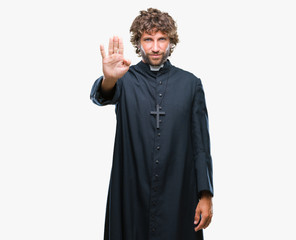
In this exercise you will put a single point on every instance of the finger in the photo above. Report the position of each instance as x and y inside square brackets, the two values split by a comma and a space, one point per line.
[120, 46]
[127, 62]
[201, 225]
[115, 44]
[207, 223]
[102, 51]
[197, 217]
[210, 215]
[110, 48]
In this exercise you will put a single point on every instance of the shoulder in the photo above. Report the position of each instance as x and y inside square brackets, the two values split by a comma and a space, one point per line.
[132, 70]
[128, 76]
[131, 73]
[186, 76]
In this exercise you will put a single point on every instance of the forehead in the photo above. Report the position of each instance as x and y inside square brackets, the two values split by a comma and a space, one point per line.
[154, 33]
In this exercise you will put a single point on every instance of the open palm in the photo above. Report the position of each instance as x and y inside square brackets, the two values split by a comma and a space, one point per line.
[114, 65]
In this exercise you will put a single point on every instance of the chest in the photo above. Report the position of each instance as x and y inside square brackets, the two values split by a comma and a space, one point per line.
[164, 96]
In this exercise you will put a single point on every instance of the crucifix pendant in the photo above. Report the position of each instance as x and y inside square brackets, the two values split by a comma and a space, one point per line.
[157, 113]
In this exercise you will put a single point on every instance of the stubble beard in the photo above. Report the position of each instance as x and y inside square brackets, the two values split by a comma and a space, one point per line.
[146, 59]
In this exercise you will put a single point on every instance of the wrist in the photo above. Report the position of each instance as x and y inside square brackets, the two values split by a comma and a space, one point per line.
[205, 194]
[108, 84]
[109, 80]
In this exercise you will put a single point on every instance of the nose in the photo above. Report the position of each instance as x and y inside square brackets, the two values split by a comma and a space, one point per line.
[155, 47]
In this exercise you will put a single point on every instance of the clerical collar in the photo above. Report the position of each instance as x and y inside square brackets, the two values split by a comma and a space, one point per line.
[155, 68]
[146, 68]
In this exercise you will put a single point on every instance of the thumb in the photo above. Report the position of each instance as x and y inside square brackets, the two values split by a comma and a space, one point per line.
[127, 62]
[197, 216]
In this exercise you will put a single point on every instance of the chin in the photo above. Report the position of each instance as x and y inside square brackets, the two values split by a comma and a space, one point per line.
[155, 62]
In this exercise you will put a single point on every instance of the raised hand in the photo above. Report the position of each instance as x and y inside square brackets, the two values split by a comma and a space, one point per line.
[114, 65]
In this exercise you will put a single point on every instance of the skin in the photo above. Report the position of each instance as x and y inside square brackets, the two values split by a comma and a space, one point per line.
[155, 47]
[204, 210]
[114, 64]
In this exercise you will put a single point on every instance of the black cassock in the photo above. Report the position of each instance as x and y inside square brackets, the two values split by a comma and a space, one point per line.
[157, 173]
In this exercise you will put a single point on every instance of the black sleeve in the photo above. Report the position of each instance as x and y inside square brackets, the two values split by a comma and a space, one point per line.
[201, 141]
[102, 98]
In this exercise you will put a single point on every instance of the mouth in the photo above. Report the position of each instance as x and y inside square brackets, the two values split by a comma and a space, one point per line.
[155, 55]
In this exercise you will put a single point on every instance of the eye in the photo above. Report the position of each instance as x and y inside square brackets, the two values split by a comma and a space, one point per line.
[147, 39]
[163, 39]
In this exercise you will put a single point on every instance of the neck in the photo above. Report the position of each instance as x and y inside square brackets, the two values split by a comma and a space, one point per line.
[155, 68]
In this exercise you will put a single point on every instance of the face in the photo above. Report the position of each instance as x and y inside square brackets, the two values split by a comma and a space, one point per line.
[155, 48]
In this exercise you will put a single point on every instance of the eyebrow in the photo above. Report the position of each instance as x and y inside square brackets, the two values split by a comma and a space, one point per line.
[148, 37]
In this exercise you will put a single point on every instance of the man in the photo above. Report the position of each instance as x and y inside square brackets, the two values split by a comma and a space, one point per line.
[161, 179]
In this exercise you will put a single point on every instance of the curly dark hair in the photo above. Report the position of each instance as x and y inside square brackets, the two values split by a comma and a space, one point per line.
[151, 20]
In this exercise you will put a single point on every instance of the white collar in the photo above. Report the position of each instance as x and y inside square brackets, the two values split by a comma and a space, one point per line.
[155, 68]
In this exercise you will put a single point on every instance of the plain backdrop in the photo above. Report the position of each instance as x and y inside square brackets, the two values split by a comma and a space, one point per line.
[57, 146]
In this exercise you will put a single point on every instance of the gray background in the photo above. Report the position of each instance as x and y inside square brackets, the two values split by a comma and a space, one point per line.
[57, 146]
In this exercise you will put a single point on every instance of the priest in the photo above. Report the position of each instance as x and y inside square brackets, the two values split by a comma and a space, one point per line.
[161, 183]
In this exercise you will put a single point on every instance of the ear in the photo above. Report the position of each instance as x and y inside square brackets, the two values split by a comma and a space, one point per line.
[139, 46]
[169, 47]
[142, 50]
